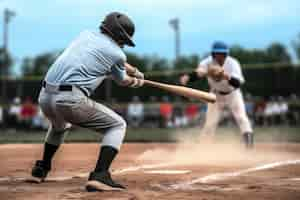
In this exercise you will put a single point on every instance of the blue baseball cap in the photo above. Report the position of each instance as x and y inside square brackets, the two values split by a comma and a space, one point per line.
[219, 47]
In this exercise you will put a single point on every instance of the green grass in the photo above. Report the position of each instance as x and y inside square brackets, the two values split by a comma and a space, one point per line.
[279, 134]
[83, 135]
[266, 134]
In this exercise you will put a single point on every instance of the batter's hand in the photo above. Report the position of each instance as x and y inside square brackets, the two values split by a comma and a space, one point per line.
[184, 79]
[226, 76]
[136, 83]
[138, 74]
[215, 72]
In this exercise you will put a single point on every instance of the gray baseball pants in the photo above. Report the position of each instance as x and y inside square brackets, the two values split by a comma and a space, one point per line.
[64, 108]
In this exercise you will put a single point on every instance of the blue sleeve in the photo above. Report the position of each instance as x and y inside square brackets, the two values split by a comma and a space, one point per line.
[118, 71]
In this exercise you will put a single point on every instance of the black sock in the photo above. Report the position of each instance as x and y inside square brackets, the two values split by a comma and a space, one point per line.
[49, 151]
[248, 139]
[106, 156]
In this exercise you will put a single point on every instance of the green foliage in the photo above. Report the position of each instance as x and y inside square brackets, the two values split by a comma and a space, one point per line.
[147, 63]
[187, 62]
[39, 65]
[296, 46]
[137, 61]
[274, 53]
[5, 60]
[266, 134]
[277, 52]
[158, 64]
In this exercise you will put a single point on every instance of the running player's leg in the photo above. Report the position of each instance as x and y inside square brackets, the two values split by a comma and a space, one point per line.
[238, 110]
[211, 120]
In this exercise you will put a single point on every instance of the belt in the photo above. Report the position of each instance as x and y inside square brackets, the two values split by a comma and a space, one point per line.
[222, 93]
[66, 88]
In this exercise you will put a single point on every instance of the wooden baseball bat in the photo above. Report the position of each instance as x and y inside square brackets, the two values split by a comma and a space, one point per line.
[184, 91]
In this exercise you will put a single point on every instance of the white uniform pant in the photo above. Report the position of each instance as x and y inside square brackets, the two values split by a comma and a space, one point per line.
[64, 108]
[235, 102]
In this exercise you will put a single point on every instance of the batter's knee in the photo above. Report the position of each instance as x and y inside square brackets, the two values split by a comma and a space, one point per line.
[120, 123]
[122, 126]
[56, 137]
[115, 135]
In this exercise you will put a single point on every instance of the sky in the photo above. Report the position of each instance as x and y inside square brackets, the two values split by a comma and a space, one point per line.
[43, 26]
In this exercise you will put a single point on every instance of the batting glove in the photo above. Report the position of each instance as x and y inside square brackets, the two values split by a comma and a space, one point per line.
[136, 83]
[138, 74]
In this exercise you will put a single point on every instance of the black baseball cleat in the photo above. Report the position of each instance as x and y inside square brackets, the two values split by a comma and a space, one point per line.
[39, 172]
[248, 139]
[102, 181]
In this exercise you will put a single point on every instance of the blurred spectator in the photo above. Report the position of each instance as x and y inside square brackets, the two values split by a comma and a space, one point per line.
[39, 121]
[1, 116]
[293, 113]
[192, 113]
[135, 112]
[276, 112]
[179, 117]
[270, 111]
[14, 113]
[119, 108]
[202, 111]
[152, 114]
[259, 111]
[283, 110]
[249, 104]
[166, 112]
[28, 111]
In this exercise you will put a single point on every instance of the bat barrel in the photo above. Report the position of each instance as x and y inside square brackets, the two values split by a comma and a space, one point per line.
[184, 91]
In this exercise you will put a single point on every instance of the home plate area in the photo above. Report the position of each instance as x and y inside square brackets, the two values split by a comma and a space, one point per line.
[159, 171]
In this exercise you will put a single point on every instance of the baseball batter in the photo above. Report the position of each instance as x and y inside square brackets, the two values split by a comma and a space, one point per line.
[64, 97]
[225, 81]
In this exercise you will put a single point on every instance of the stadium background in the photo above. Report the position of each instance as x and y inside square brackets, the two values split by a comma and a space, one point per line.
[167, 130]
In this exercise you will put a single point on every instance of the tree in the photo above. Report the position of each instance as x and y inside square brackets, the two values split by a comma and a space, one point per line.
[148, 63]
[274, 53]
[187, 62]
[158, 64]
[38, 65]
[140, 62]
[296, 46]
[277, 52]
[5, 60]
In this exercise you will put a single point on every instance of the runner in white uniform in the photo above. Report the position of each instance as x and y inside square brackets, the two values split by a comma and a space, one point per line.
[227, 91]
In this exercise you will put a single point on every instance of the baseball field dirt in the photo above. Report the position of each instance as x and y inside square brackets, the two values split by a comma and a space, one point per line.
[159, 171]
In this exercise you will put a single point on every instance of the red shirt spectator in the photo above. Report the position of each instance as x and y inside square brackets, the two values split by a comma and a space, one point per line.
[191, 111]
[260, 107]
[166, 110]
[28, 109]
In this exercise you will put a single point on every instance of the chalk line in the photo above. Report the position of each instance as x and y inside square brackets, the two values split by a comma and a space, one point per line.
[168, 172]
[130, 169]
[221, 176]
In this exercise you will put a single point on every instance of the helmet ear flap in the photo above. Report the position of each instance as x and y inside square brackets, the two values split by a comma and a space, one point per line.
[119, 27]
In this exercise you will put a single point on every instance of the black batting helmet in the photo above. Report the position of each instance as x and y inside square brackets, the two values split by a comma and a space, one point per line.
[119, 27]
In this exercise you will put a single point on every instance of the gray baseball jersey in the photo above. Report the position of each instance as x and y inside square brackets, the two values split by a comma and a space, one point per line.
[87, 61]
